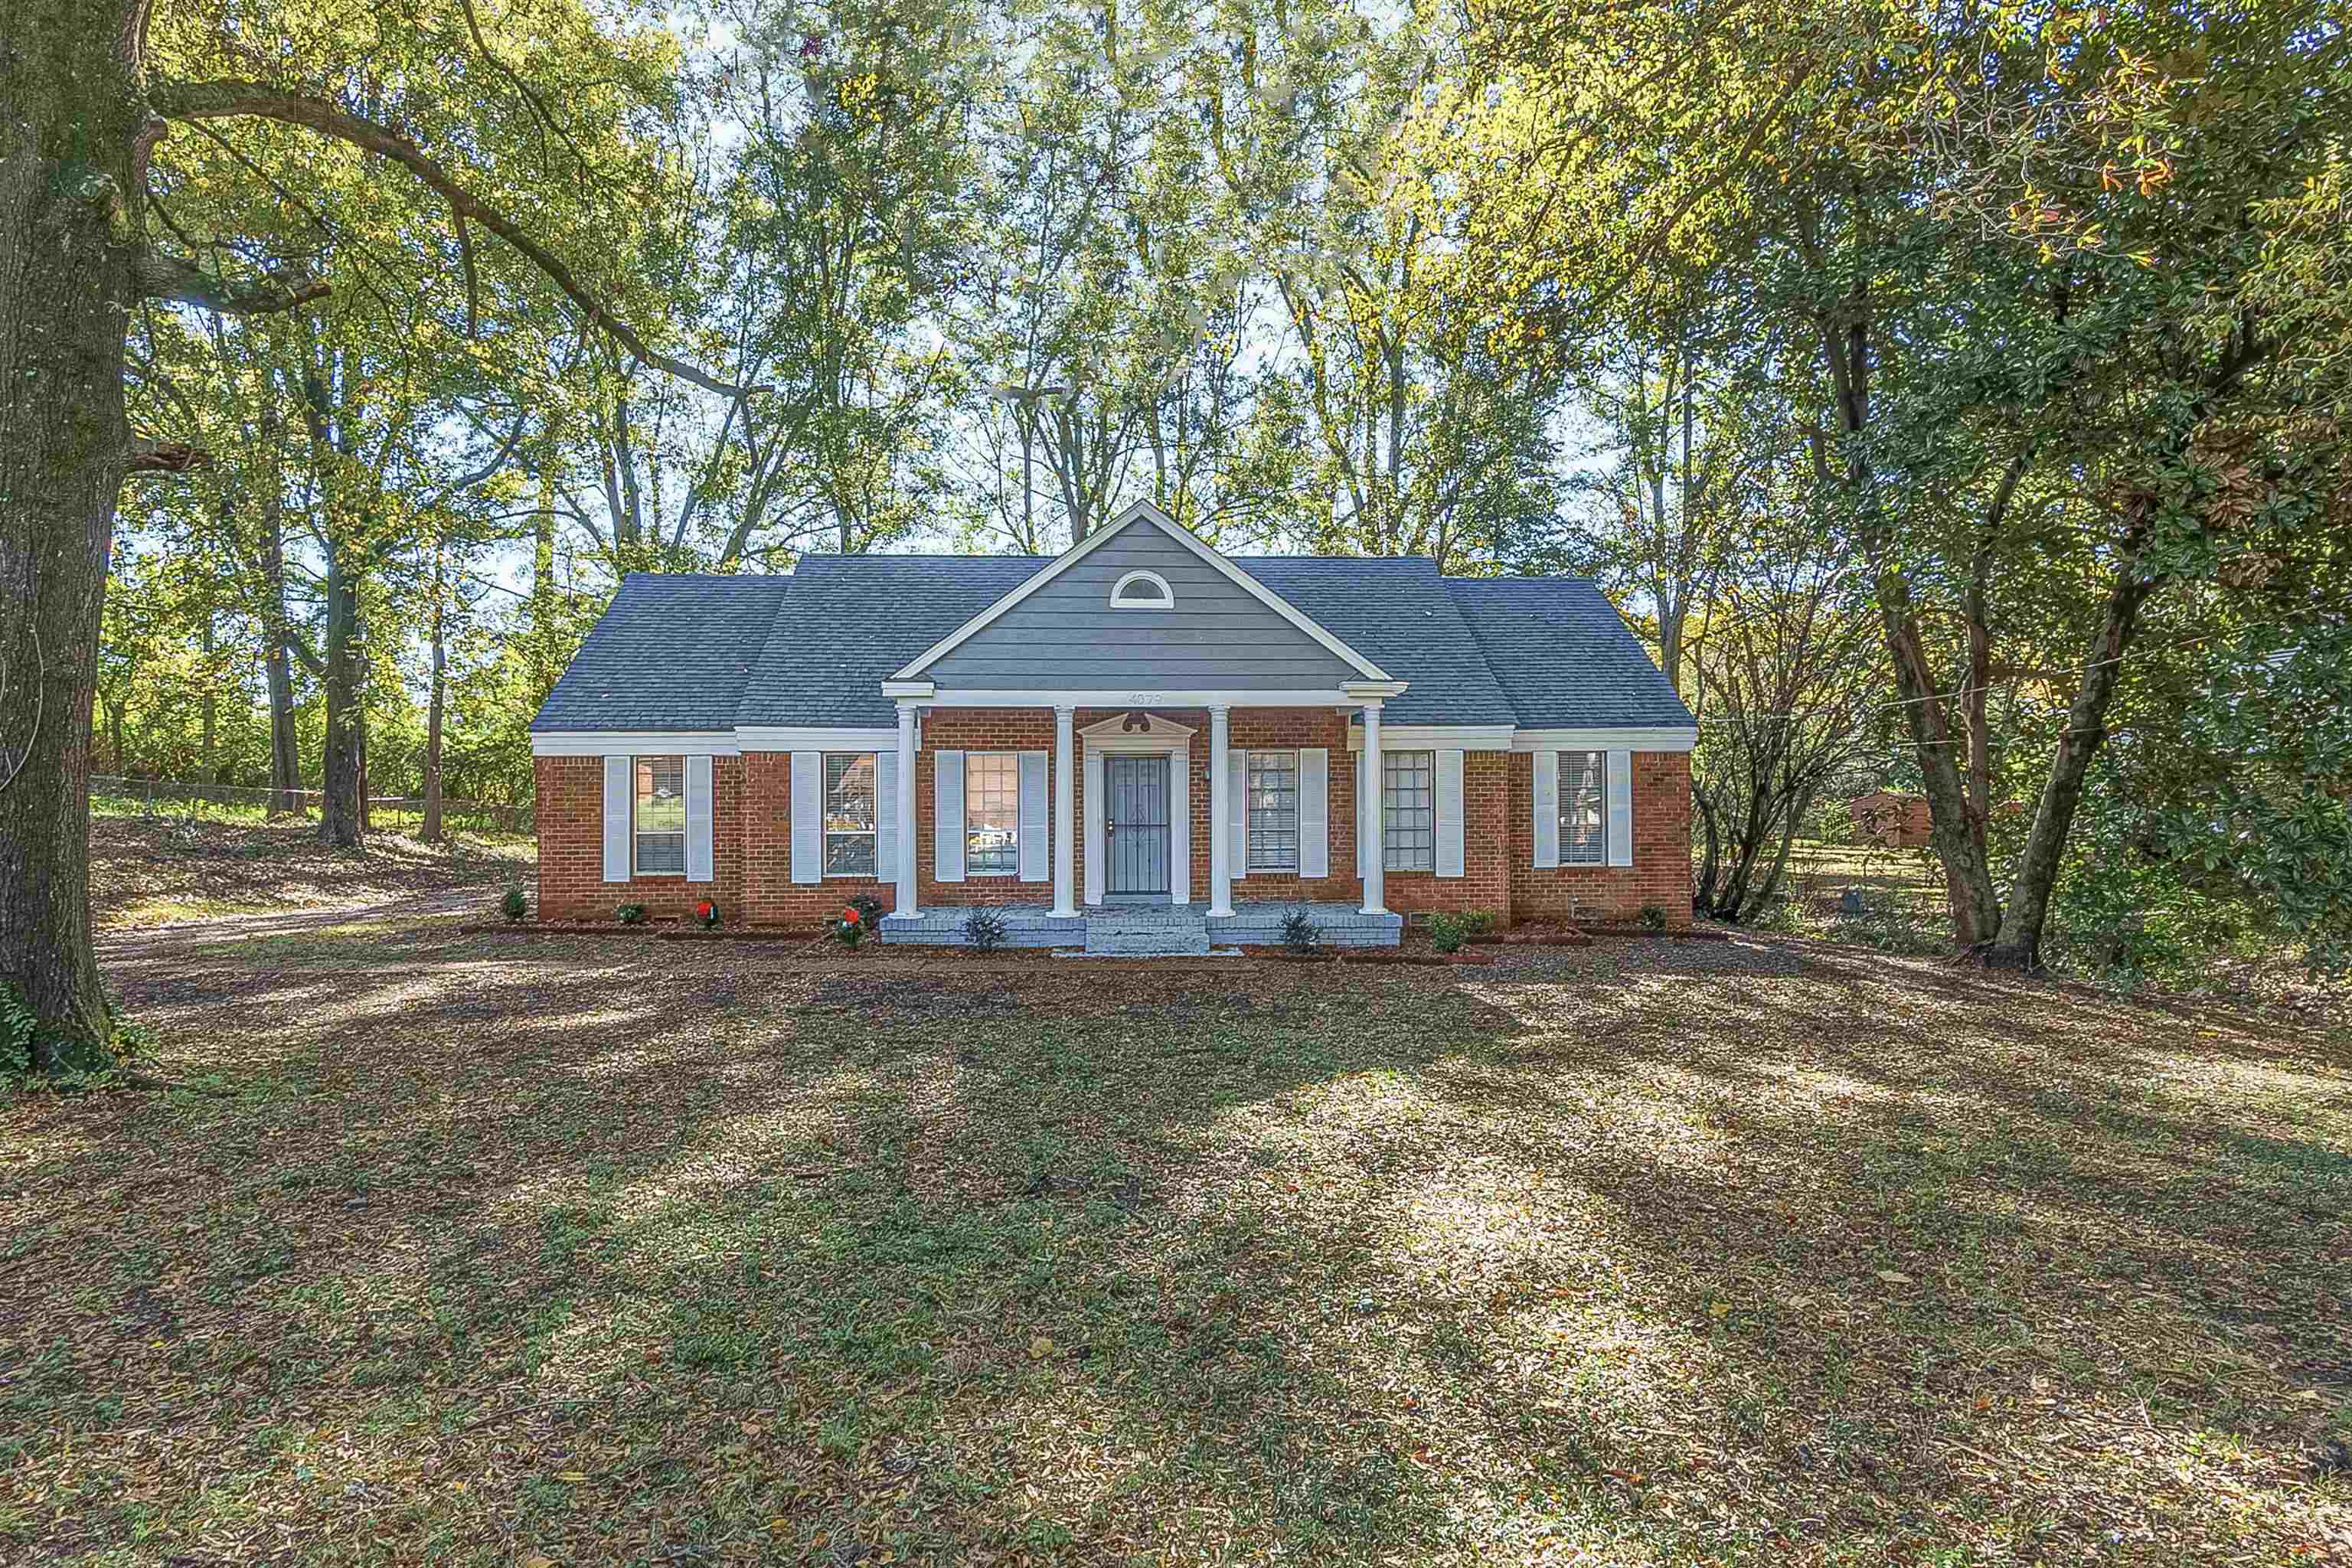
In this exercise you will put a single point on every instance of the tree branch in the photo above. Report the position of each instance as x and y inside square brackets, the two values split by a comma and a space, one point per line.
[161, 277]
[249, 99]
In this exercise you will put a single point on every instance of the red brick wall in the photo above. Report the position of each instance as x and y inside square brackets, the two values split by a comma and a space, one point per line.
[752, 831]
[571, 819]
[1659, 875]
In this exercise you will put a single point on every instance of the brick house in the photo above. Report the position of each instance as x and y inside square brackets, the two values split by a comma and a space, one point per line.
[1890, 820]
[1138, 728]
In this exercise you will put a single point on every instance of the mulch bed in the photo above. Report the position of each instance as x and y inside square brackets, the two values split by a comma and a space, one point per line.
[1676, 933]
[1369, 956]
[1547, 937]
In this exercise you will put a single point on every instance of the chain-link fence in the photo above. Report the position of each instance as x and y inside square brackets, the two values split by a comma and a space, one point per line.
[390, 814]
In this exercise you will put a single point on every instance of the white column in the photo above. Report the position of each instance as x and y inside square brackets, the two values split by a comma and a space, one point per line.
[1369, 815]
[1221, 838]
[1065, 834]
[906, 859]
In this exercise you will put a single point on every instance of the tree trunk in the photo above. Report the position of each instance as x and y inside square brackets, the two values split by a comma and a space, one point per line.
[430, 832]
[338, 803]
[209, 708]
[2019, 944]
[72, 186]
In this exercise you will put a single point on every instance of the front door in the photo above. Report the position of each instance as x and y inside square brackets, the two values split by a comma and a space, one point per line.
[1135, 823]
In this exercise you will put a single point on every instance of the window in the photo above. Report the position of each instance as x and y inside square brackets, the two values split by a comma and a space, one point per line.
[1272, 811]
[1409, 811]
[991, 814]
[1142, 591]
[661, 816]
[1583, 808]
[849, 814]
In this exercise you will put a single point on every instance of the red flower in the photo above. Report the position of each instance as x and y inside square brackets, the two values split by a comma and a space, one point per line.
[703, 909]
[849, 916]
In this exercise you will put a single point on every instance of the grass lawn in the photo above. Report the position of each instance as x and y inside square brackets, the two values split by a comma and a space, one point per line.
[578, 1252]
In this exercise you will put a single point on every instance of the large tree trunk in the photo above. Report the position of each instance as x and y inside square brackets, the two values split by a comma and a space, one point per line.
[72, 186]
[2018, 945]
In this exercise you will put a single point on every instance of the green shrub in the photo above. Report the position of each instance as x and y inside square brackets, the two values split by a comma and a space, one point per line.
[631, 914]
[1653, 918]
[1299, 932]
[985, 931]
[1446, 933]
[1477, 922]
[513, 906]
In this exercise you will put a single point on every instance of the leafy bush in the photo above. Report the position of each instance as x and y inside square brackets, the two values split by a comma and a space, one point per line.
[707, 912]
[513, 906]
[1445, 932]
[985, 931]
[1477, 922]
[869, 912]
[631, 914]
[847, 928]
[1299, 932]
[1653, 918]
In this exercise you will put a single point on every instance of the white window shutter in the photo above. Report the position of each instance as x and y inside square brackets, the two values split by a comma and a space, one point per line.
[1449, 813]
[1092, 796]
[698, 818]
[1237, 810]
[1314, 810]
[808, 816]
[1621, 808]
[620, 797]
[885, 816]
[1546, 794]
[947, 814]
[1035, 847]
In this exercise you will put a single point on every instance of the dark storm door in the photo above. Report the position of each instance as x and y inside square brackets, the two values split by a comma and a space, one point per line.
[1135, 822]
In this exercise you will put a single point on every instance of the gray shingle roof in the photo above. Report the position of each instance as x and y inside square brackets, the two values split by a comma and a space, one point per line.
[1394, 611]
[693, 651]
[670, 653]
[1563, 655]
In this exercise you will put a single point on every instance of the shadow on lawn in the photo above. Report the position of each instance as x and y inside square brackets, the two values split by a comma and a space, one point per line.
[655, 1252]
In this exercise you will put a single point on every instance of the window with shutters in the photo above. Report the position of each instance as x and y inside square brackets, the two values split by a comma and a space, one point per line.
[1272, 811]
[1583, 808]
[991, 814]
[1409, 811]
[660, 817]
[849, 814]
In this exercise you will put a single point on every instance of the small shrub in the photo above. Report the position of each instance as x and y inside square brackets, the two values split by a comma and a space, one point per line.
[1446, 933]
[707, 912]
[1477, 922]
[985, 931]
[513, 906]
[1653, 918]
[1299, 932]
[869, 912]
[631, 914]
[849, 927]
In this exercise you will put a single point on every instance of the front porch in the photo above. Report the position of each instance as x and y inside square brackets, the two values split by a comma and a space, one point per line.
[1148, 927]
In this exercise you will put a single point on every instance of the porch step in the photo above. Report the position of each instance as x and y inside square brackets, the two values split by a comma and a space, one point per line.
[1160, 934]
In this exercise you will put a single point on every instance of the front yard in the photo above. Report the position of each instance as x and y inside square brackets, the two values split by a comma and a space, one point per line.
[568, 1251]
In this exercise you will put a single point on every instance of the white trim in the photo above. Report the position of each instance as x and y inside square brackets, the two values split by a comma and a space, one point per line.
[1437, 737]
[896, 690]
[1165, 739]
[1143, 511]
[1167, 600]
[1138, 697]
[636, 743]
[816, 737]
[1628, 740]
[1158, 729]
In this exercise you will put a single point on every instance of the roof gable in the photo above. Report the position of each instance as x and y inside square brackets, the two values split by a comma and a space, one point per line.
[1563, 655]
[671, 652]
[1119, 535]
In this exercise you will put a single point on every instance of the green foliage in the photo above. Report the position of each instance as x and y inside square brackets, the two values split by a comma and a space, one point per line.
[630, 914]
[1477, 922]
[983, 930]
[1299, 932]
[1446, 932]
[1653, 918]
[30, 1058]
[513, 905]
